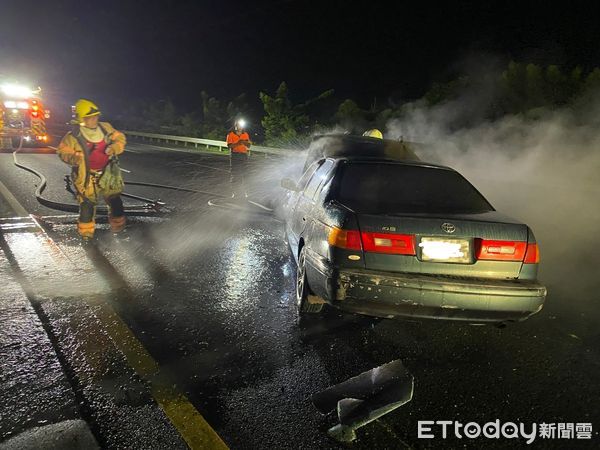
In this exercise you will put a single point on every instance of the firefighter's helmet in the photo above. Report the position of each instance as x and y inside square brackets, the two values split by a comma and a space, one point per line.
[374, 133]
[85, 108]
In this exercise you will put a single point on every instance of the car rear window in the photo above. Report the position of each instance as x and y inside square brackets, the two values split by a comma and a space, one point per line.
[396, 188]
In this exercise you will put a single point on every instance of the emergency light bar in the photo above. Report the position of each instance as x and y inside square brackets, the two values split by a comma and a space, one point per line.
[16, 90]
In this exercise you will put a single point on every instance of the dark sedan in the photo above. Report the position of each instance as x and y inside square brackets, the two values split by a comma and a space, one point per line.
[397, 238]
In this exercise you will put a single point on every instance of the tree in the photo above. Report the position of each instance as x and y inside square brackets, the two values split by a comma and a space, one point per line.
[161, 114]
[443, 92]
[350, 116]
[190, 125]
[528, 87]
[218, 116]
[555, 84]
[534, 87]
[236, 108]
[513, 88]
[214, 117]
[592, 81]
[284, 122]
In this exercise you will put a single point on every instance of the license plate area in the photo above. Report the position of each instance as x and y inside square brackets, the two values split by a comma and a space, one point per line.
[446, 250]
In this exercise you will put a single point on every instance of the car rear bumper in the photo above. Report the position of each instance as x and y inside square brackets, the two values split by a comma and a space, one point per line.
[426, 296]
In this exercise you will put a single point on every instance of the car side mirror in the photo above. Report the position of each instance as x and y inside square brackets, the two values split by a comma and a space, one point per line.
[289, 184]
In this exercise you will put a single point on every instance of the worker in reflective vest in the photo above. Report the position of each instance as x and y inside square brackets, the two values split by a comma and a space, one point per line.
[239, 143]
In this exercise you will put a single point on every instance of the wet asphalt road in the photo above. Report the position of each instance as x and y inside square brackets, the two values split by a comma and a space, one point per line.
[210, 296]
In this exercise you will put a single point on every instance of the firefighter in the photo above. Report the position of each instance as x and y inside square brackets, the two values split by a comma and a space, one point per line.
[239, 143]
[88, 149]
[373, 133]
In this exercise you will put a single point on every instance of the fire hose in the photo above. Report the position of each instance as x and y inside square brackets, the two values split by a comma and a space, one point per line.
[150, 208]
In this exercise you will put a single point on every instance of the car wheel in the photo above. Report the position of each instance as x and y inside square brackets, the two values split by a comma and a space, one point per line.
[302, 288]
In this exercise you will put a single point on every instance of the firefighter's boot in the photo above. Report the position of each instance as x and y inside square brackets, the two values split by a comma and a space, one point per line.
[86, 230]
[117, 224]
[116, 216]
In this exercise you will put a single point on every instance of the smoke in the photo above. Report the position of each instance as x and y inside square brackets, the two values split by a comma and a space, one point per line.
[543, 171]
[196, 229]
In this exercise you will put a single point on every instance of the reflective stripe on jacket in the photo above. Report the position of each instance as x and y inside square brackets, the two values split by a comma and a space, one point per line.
[71, 152]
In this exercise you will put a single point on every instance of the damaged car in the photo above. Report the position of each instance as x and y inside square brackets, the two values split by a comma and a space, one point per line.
[381, 233]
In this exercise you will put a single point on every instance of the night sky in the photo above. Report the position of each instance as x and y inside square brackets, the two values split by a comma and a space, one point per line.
[119, 52]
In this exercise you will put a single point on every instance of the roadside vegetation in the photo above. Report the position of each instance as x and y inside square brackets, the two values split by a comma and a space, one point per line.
[278, 118]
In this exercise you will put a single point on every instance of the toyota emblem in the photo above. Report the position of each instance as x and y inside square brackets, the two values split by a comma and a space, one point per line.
[448, 227]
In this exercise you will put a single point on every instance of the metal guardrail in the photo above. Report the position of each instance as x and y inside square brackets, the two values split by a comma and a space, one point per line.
[207, 143]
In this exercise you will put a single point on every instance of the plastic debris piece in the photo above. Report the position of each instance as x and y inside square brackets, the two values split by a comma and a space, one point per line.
[365, 398]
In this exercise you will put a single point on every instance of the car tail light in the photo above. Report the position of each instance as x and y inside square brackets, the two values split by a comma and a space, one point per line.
[35, 114]
[396, 244]
[532, 255]
[501, 250]
[348, 239]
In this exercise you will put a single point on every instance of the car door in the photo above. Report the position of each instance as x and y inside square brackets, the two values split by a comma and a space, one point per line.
[306, 201]
[291, 203]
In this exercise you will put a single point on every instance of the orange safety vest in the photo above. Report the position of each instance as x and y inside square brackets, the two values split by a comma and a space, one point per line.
[234, 138]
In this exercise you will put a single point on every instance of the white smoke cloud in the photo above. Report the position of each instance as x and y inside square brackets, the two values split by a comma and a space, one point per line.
[545, 172]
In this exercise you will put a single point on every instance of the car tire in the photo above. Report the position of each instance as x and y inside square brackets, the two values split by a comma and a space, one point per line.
[303, 289]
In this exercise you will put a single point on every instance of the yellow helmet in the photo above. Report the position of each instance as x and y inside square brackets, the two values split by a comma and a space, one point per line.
[85, 108]
[374, 133]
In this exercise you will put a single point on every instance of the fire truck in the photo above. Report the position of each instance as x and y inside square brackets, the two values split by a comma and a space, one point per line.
[22, 116]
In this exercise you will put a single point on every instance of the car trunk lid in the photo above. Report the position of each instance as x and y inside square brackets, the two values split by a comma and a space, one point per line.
[482, 245]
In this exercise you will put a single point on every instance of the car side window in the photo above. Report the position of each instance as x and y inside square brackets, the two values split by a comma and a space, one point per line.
[318, 178]
[325, 186]
[307, 174]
